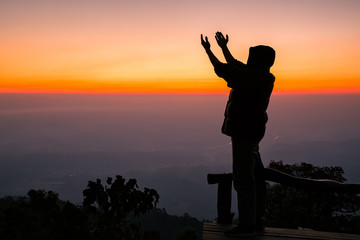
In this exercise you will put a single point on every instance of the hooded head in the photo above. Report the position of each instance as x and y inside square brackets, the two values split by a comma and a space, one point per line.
[261, 57]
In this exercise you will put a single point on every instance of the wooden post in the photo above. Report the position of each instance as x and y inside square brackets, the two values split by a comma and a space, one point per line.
[224, 182]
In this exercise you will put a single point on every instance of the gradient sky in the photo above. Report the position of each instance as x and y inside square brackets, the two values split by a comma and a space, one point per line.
[154, 46]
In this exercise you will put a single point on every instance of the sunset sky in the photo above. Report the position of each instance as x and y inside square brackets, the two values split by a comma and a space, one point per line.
[154, 46]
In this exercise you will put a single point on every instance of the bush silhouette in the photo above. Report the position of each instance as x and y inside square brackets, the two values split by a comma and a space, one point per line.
[41, 216]
[104, 214]
[109, 207]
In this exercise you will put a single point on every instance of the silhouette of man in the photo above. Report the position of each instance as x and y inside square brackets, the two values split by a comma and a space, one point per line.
[245, 119]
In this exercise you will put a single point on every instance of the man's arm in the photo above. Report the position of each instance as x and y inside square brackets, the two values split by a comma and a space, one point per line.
[222, 42]
[213, 59]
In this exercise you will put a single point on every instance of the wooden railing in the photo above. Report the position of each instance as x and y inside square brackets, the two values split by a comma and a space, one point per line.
[224, 182]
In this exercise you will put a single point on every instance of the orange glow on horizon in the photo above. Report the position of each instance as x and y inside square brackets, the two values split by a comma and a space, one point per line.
[116, 87]
[195, 86]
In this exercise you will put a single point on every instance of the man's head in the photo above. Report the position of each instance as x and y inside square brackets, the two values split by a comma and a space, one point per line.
[261, 57]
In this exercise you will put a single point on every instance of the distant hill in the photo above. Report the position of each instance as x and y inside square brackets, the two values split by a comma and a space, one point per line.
[169, 225]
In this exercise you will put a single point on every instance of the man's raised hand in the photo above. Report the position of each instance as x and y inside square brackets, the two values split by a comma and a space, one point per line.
[205, 43]
[221, 40]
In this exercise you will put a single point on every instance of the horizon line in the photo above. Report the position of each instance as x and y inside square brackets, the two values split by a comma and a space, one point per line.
[281, 92]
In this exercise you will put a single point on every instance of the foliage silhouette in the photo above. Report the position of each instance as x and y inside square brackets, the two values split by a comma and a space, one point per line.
[41, 216]
[292, 208]
[104, 214]
[109, 207]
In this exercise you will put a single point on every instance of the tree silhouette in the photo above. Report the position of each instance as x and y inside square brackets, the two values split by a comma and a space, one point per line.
[41, 216]
[109, 207]
[104, 215]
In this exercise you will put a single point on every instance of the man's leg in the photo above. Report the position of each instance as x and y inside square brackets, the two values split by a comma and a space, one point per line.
[260, 194]
[245, 155]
